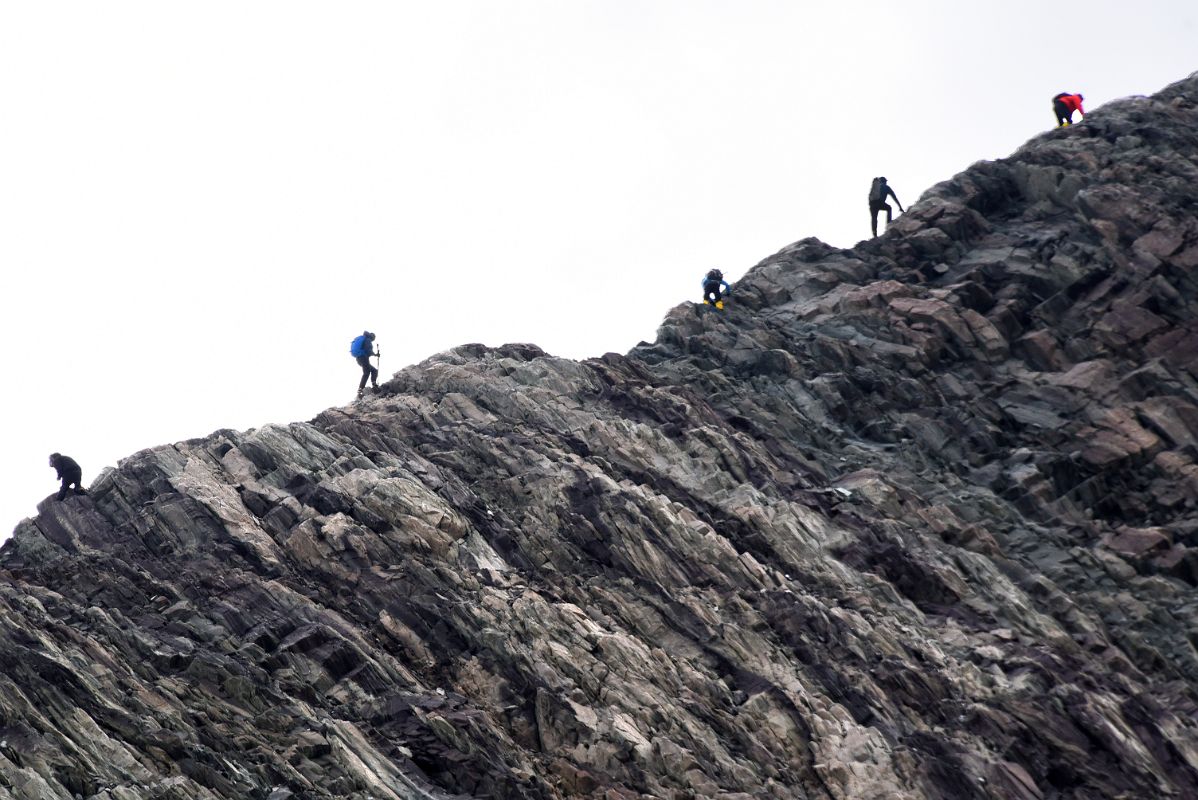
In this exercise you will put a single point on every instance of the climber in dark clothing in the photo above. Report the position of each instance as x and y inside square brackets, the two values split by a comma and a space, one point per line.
[362, 349]
[712, 281]
[69, 473]
[1064, 104]
[878, 192]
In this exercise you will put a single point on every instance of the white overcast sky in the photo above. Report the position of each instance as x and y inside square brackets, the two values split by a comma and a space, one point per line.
[202, 203]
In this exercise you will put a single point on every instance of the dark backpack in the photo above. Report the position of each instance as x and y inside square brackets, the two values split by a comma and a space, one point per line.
[877, 192]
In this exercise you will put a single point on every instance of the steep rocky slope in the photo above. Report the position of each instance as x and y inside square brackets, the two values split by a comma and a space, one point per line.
[915, 519]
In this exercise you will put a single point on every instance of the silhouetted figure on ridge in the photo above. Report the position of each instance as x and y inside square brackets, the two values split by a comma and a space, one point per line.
[1064, 104]
[878, 192]
[712, 281]
[362, 348]
[69, 473]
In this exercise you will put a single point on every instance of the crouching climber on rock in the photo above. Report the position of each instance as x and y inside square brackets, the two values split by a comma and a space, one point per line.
[1064, 104]
[878, 192]
[69, 473]
[712, 282]
[362, 348]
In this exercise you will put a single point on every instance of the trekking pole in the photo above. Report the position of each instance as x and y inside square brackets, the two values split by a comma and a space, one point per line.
[378, 353]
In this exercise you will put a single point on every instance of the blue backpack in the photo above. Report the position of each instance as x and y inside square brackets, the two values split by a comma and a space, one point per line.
[360, 346]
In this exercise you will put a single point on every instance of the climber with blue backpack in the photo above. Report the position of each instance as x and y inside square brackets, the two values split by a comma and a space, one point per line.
[712, 282]
[362, 348]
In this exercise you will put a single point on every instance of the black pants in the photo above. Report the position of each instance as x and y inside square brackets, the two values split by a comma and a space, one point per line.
[1064, 115]
[874, 208]
[711, 292]
[368, 372]
[71, 478]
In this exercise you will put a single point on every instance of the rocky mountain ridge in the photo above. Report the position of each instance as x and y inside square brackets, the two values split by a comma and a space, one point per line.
[912, 519]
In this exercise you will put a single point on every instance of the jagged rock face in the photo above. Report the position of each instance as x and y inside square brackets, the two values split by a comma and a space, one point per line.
[912, 520]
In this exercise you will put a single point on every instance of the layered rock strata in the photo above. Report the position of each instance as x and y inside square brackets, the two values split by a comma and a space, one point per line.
[910, 520]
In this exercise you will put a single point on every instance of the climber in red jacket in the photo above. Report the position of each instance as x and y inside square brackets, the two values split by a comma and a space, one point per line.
[1063, 105]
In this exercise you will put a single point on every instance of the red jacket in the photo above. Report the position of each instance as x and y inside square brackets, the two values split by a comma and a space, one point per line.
[1073, 102]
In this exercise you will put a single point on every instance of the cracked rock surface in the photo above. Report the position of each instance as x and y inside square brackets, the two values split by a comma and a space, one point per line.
[915, 519]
